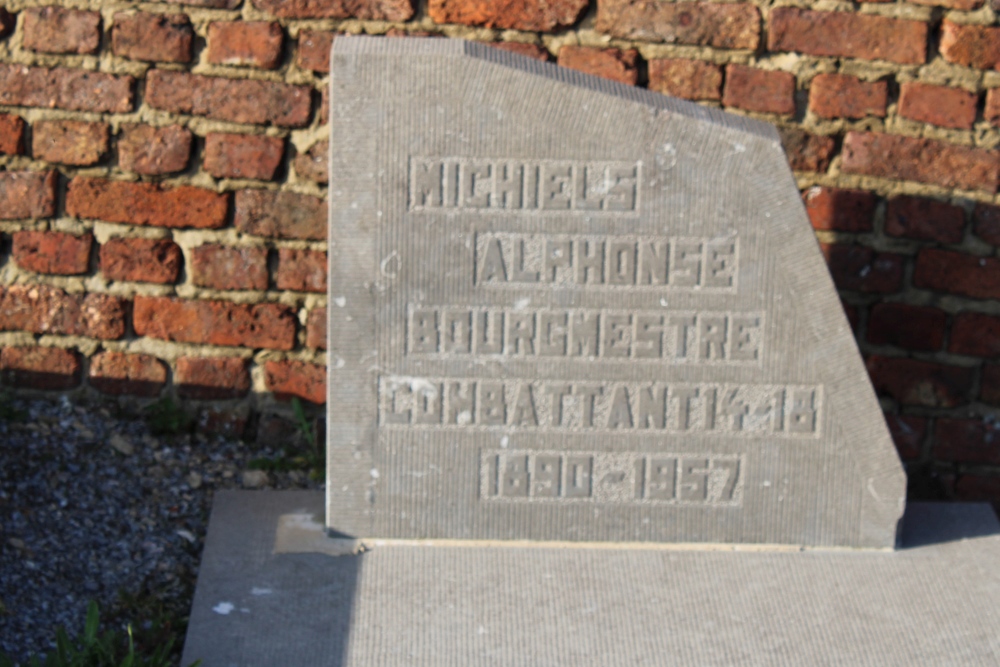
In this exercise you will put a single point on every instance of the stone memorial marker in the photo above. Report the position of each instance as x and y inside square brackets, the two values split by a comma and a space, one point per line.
[567, 309]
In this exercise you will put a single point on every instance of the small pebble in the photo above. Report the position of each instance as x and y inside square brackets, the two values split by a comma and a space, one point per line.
[122, 444]
[254, 479]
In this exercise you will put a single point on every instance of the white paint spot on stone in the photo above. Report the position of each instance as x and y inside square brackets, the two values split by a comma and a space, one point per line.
[521, 304]
[663, 302]
[260, 591]
[224, 608]
[739, 148]
[339, 363]
[340, 301]
[504, 441]
[464, 417]
[374, 473]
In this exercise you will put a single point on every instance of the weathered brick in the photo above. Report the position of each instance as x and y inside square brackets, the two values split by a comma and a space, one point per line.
[924, 219]
[986, 223]
[49, 310]
[313, 165]
[806, 151]
[63, 88]
[243, 155]
[833, 209]
[211, 378]
[247, 43]
[52, 252]
[27, 194]
[316, 329]
[296, 378]
[613, 64]
[227, 268]
[846, 34]
[529, 15]
[964, 5]
[914, 382]
[722, 25]
[153, 151]
[859, 268]
[146, 204]
[974, 440]
[7, 22]
[371, 10]
[976, 334]
[922, 160]
[937, 105]
[918, 328]
[314, 50]
[957, 273]
[11, 134]
[324, 105]
[989, 386]
[688, 79]
[283, 215]
[970, 45]
[153, 37]
[908, 434]
[55, 29]
[523, 49]
[236, 100]
[301, 270]
[262, 325]
[40, 367]
[141, 260]
[71, 142]
[845, 96]
[227, 422]
[759, 90]
[120, 373]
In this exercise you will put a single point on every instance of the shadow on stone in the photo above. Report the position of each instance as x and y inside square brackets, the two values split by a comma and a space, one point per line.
[926, 524]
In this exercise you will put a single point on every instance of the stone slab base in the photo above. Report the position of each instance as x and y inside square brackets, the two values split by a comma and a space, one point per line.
[273, 592]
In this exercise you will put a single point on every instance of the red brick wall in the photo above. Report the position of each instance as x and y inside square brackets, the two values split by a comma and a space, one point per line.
[163, 177]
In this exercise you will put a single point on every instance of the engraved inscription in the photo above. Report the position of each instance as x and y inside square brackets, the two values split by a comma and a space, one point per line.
[485, 184]
[588, 260]
[555, 405]
[662, 478]
[679, 336]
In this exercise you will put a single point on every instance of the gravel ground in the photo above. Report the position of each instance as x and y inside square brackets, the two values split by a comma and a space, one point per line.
[93, 506]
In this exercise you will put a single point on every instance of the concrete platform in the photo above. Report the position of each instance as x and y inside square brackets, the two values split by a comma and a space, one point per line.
[935, 601]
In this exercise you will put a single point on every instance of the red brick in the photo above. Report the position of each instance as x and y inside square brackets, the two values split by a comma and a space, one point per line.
[759, 90]
[989, 388]
[211, 378]
[908, 435]
[316, 329]
[48, 310]
[688, 79]
[722, 25]
[313, 165]
[922, 160]
[127, 374]
[283, 215]
[56, 29]
[991, 111]
[833, 209]
[230, 423]
[153, 151]
[844, 96]
[967, 440]
[243, 155]
[146, 204]
[856, 267]
[913, 382]
[986, 223]
[262, 325]
[40, 367]
[846, 34]
[964, 5]
[11, 134]
[528, 15]
[970, 45]
[806, 152]
[227, 99]
[52, 252]
[71, 142]
[523, 49]
[301, 270]
[957, 273]
[924, 219]
[613, 64]
[27, 194]
[909, 327]
[226, 268]
[7, 22]
[314, 50]
[62, 88]
[296, 378]
[153, 37]
[976, 334]
[937, 105]
[369, 10]
[247, 43]
[979, 488]
[141, 260]
[324, 105]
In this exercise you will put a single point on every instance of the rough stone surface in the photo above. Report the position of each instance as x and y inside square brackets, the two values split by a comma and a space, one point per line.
[52, 252]
[71, 142]
[314, 50]
[142, 260]
[11, 134]
[316, 329]
[847, 35]
[49, 310]
[313, 165]
[722, 25]
[938, 105]
[524, 337]
[845, 96]
[759, 90]
[153, 37]
[27, 194]
[806, 151]
[212, 378]
[56, 29]
[689, 79]
[285, 215]
[146, 203]
[243, 155]
[613, 64]
[264, 325]
[970, 45]
[378, 10]
[119, 373]
[535, 15]
[39, 367]
[63, 88]
[228, 268]
[245, 43]
[154, 151]
[296, 378]
[301, 270]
